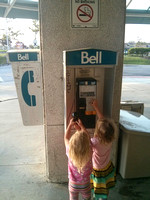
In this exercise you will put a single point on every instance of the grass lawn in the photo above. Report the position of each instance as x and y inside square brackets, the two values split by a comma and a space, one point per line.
[3, 59]
[136, 60]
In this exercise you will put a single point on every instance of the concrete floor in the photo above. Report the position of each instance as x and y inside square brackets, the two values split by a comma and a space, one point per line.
[22, 161]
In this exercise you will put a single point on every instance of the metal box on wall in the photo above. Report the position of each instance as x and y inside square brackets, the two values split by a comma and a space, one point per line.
[132, 106]
[134, 148]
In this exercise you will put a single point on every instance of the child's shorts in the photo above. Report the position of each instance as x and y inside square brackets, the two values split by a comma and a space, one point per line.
[102, 180]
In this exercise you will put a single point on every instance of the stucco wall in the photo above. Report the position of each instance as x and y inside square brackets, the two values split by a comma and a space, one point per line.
[56, 36]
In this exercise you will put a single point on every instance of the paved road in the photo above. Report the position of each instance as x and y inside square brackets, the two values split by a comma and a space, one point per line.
[6, 74]
[7, 85]
[128, 70]
[136, 70]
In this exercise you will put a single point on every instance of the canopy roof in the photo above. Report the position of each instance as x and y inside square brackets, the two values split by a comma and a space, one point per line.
[134, 16]
[29, 9]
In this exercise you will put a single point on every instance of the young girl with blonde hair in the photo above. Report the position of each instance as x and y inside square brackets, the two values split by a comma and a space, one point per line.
[79, 152]
[103, 174]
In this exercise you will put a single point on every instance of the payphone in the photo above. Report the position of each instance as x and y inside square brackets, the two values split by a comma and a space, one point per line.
[88, 74]
[27, 71]
[85, 92]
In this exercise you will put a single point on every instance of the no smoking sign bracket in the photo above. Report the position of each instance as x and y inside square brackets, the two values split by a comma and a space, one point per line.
[84, 13]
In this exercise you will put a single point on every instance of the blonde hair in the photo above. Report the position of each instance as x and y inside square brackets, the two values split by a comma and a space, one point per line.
[79, 149]
[105, 130]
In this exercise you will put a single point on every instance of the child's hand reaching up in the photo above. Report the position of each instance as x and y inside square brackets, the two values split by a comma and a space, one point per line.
[71, 123]
[94, 103]
[77, 126]
[79, 123]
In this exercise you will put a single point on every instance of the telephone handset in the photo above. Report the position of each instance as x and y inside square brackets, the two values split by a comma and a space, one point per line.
[86, 91]
[28, 77]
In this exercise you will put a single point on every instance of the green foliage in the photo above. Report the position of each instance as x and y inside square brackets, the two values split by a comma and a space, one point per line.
[7, 40]
[3, 59]
[13, 35]
[33, 47]
[2, 51]
[139, 51]
[139, 44]
[4, 39]
[136, 60]
[35, 28]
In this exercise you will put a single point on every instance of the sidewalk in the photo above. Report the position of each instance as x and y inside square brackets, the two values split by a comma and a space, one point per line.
[22, 161]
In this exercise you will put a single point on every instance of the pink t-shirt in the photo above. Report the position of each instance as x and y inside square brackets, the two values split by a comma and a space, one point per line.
[73, 173]
[101, 153]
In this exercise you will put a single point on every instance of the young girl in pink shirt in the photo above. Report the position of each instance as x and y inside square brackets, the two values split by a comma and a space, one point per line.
[79, 152]
[103, 174]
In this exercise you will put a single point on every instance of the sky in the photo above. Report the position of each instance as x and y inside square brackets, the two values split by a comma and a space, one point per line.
[138, 4]
[138, 32]
[133, 32]
[21, 25]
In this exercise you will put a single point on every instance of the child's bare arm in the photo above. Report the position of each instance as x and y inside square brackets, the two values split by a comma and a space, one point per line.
[94, 103]
[68, 132]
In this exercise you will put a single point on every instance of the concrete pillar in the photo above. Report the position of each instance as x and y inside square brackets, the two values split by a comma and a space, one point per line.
[58, 35]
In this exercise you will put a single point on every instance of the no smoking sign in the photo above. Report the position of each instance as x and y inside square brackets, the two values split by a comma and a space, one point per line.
[84, 15]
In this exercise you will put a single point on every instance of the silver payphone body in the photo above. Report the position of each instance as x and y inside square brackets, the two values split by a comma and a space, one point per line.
[86, 73]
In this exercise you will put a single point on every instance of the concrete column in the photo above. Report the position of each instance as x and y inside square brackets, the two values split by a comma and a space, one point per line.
[56, 36]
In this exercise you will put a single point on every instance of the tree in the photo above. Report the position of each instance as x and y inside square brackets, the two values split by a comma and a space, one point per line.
[140, 44]
[5, 41]
[139, 51]
[13, 35]
[35, 28]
